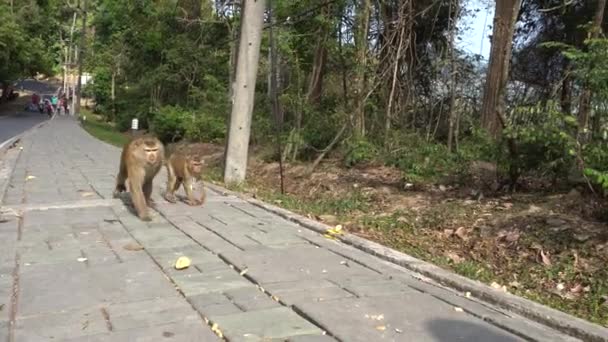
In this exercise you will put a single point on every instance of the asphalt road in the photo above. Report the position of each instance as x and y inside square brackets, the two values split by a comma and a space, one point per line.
[17, 123]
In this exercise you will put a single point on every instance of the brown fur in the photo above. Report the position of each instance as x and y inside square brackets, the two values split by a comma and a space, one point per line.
[184, 168]
[140, 162]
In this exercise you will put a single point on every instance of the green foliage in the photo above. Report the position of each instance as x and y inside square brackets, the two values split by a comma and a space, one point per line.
[359, 151]
[544, 141]
[169, 123]
[599, 177]
[479, 145]
[595, 156]
[208, 128]
[173, 123]
[23, 52]
[422, 160]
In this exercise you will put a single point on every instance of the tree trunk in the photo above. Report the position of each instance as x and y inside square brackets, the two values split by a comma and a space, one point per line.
[391, 96]
[113, 96]
[566, 94]
[81, 58]
[242, 109]
[361, 58]
[315, 87]
[498, 69]
[584, 107]
[4, 97]
[453, 71]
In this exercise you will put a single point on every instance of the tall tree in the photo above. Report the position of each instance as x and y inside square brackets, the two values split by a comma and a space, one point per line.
[361, 45]
[585, 100]
[493, 106]
[81, 47]
[246, 73]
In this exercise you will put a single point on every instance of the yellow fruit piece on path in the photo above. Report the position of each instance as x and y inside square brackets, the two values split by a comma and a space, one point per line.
[335, 231]
[182, 262]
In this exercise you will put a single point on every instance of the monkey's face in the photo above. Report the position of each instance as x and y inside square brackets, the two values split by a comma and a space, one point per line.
[195, 165]
[151, 151]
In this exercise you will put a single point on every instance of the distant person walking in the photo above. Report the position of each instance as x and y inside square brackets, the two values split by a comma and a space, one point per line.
[54, 100]
[35, 101]
[66, 108]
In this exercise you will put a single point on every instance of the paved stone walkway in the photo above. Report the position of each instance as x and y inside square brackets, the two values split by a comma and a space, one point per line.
[79, 266]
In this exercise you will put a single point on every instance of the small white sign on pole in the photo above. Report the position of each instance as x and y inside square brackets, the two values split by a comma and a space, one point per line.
[134, 124]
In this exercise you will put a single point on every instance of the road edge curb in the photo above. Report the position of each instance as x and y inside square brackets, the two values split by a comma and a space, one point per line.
[552, 318]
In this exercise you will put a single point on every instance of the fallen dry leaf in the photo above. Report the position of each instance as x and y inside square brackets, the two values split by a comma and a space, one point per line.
[217, 330]
[330, 219]
[457, 309]
[377, 317]
[507, 205]
[30, 177]
[82, 259]
[133, 246]
[87, 194]
[578, 288]
[448, 232]
[545, 258]
[244, 271]
[515, 284]
[497, 286]
[381, 328]
[461, 232]
[454, 257]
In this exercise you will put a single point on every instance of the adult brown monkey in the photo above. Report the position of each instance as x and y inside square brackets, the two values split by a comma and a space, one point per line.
[140, 162]
[184, 167]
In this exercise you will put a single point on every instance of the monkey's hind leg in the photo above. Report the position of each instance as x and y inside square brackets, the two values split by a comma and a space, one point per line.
[120, 179]
[172, 185]
[203, 194]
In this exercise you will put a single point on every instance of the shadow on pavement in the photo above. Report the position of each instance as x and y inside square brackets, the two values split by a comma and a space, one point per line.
[445, 330]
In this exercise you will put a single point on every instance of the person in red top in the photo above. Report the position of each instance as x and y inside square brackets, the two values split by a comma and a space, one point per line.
[35, 100]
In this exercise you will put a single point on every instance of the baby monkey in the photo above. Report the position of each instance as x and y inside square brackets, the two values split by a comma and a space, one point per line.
[184, 167]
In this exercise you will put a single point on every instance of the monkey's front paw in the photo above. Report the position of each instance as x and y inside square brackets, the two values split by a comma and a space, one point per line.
[118, 190]
[145, 217]
[193, 202]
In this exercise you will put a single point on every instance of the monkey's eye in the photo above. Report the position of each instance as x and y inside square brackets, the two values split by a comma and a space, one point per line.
[151, 149]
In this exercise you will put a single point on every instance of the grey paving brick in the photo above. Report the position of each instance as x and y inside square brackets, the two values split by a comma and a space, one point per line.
[251, 299]
[149, 313]
[311, 338]
[395, 318]
[178, 332]
[61, 325]
[271, 323]
[193, 284]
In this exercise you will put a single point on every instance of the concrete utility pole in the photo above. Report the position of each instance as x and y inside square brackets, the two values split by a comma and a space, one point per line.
[76, 110]
[246, 73]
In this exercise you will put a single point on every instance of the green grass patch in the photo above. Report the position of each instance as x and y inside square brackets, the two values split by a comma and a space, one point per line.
[102, 130]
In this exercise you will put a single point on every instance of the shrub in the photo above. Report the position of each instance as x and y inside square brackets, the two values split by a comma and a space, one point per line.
[209, 128]
[543, 141]
[169, 123]
[359, 150]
